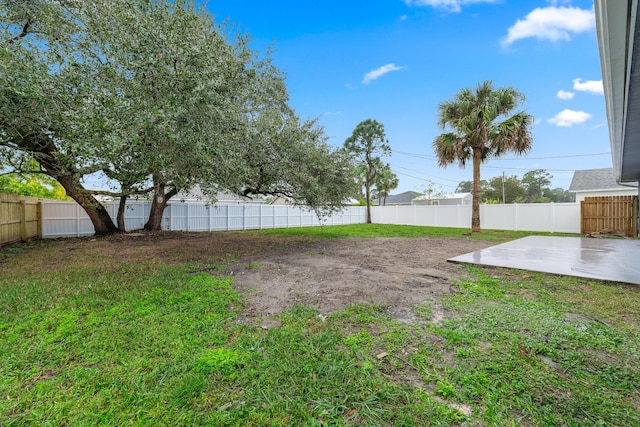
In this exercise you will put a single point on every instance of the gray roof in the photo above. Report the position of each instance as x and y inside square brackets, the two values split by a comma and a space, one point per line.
[594, 179]
[402, 198]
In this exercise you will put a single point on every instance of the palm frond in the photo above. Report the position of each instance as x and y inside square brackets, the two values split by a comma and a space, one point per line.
[451, 148]
[512, 135]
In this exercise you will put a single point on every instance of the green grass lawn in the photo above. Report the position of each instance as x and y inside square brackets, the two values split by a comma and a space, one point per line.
[143, 342]
[386, 230]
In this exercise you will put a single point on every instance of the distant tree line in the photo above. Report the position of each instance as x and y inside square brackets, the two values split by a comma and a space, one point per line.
[533, 187]
[32, 185]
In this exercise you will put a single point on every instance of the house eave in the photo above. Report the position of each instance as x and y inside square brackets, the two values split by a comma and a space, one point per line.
[605, 190]
[618, 33]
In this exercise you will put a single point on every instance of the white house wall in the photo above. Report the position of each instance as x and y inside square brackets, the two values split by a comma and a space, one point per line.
[600, 193]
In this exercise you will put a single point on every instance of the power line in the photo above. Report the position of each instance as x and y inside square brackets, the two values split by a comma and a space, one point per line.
[420, 156]
[424, 156]
[527, 169]
[553, 157]
[434, 176]
[425, 180]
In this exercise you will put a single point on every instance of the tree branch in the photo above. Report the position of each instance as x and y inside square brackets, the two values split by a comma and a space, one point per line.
[25, 32]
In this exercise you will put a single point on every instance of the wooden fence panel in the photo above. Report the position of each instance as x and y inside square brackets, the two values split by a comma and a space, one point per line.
[610, 215]
[20, 218]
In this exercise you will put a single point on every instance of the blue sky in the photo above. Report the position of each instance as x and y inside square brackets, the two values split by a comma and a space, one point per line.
[395, 60]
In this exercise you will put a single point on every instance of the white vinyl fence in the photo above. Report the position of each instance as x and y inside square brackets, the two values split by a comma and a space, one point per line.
[68, 219]
[549, 217]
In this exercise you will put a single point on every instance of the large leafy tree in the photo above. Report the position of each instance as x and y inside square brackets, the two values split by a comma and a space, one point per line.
[537, 181]
[559, 195]
[467, 187]
[39, 98]
[504, 188]
[368, 143]
[285, 157]
[188, 91]
[153, 94]
[481, 127]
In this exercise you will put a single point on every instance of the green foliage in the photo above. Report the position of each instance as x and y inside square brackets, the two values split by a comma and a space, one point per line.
[159, 98]
[532, 188]
[536, 181]
[385, 181]
[367, 144]
[289, 158]
[481, 128]
[34, 186]
[219, 360]
[513, 190]
[559, 195]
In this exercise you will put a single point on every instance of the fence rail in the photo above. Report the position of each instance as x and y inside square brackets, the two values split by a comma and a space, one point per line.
[549, 217]
[609, 214]
[19, 218]
[68, 219]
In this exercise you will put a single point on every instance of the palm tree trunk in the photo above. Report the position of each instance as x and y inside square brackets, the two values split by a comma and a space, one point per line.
[475, 204]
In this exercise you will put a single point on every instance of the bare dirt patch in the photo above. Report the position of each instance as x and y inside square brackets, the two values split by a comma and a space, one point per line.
[328, 275]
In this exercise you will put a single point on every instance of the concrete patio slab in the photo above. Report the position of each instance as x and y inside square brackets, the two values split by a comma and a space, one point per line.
[614, 260]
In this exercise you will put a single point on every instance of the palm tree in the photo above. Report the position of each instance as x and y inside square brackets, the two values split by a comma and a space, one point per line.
[385, 182]
[481, 128]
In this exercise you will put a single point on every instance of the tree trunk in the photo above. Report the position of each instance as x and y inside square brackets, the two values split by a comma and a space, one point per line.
[475, 205]
[121, 209]
[159, 203]
[102, 222]
[367, 186]
[46, 154]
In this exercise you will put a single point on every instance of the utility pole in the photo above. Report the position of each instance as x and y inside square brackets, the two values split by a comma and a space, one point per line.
[503, 198]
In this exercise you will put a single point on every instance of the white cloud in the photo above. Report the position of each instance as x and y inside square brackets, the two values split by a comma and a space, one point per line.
[593, 86]
[565, 95]
[379, 72]
[568, 118]
[551, 23]
[448, 5]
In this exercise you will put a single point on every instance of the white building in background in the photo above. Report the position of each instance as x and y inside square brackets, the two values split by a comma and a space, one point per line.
[597, 183]
[444, 200]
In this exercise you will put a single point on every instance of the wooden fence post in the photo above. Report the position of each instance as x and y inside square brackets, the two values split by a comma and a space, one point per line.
[23, 220]
[39, 210]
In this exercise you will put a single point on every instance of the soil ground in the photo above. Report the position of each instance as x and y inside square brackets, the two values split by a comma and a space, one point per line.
[328, 275]
[396, 273]
[276, 272]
